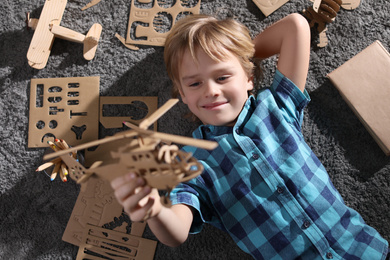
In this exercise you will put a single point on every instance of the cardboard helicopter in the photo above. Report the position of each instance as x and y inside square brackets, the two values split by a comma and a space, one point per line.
[47, 27]
[141, 151]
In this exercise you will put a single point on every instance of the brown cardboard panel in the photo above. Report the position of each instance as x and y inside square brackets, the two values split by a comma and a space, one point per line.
[364, 83]
[117, 121]
[63, 108]
[151, 22]
[100, 243]
[95, 205]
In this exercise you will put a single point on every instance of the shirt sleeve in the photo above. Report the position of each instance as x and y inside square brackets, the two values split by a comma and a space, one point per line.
[194, 194]
[290, 98]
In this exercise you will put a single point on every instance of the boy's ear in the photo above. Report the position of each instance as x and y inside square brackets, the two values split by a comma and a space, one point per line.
[250, 84]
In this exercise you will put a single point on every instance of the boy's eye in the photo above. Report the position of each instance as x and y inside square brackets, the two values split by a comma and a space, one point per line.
[195, 84]
[222, 78]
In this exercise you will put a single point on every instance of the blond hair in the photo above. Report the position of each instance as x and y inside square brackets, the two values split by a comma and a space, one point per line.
[215, 37]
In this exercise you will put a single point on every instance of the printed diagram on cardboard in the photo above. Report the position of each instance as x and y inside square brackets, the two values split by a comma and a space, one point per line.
[151, 20]
[63, 108]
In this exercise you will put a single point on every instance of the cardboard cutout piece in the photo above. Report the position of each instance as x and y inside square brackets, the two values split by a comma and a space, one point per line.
[267, 7]
[90, 4]
[117, 121]
[96, 205]
[63, 108]
[123, 41]
[350, 4]
[151, 21]
[100, 243]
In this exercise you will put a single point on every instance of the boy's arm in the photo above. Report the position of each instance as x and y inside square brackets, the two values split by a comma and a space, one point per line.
[170, 225]
[290, 38]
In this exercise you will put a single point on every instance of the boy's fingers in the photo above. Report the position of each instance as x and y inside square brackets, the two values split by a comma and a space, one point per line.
[135, 196]
[119, 181]
[124, 189]
[149, 209]
[138, 204]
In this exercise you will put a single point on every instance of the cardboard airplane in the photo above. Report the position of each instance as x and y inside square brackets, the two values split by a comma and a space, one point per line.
[47, 27]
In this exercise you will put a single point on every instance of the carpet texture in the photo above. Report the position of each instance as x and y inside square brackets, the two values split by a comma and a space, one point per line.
[34, 211]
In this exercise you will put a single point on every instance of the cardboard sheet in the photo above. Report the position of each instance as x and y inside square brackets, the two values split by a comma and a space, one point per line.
[63, 108]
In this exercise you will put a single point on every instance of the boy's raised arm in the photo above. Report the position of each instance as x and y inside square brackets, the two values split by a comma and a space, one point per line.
[290, 38]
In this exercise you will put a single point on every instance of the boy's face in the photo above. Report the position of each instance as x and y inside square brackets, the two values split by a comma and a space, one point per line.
[214, 91]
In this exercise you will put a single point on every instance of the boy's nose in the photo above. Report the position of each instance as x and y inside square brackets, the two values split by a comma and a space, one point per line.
[212, 89]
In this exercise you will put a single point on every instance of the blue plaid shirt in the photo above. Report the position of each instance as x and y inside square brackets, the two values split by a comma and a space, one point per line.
[265, 187]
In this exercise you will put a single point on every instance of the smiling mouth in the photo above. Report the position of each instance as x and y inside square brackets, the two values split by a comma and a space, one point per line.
[214, 105]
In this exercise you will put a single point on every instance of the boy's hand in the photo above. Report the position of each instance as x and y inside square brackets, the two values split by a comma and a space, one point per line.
[140, 201]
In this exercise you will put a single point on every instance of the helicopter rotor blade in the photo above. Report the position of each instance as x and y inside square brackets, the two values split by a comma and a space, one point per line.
[118, 136]
[158, 113]
[204, 144]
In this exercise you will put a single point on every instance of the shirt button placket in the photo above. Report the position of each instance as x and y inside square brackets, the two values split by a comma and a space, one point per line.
[255, 156]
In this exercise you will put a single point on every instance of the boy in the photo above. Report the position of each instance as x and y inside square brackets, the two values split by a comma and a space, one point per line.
[262, 184]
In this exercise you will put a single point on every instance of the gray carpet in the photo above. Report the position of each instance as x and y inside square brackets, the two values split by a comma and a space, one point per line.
[34, 211]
